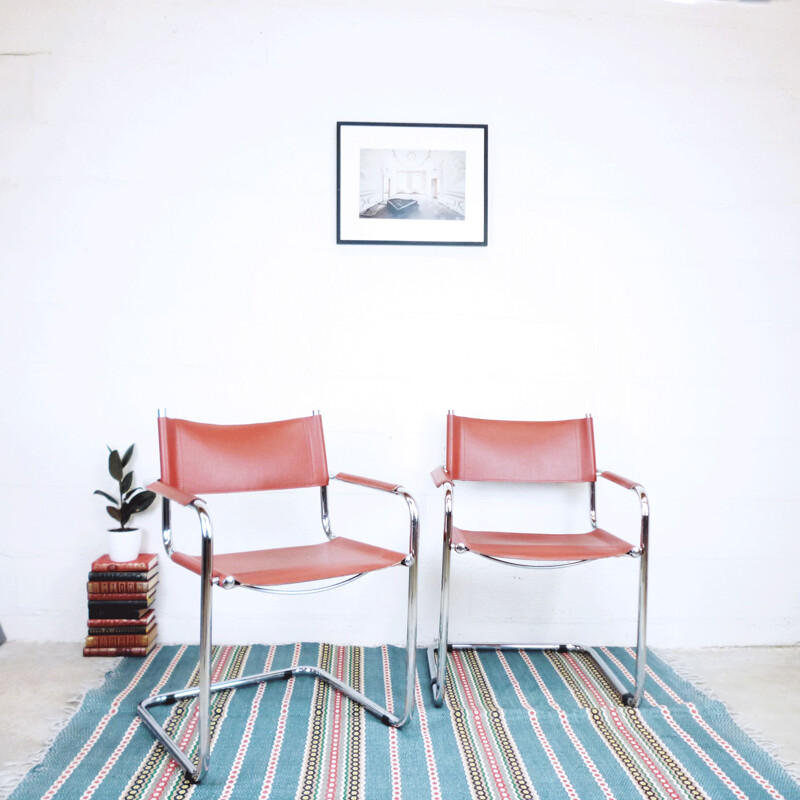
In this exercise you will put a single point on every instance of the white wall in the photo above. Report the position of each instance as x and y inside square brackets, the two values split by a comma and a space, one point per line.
[167, 238]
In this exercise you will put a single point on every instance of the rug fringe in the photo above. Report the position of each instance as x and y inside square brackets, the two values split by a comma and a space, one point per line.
[13, 772]
[688, 673]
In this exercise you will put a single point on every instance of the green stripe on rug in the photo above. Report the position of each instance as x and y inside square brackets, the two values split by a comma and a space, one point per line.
[514, 725]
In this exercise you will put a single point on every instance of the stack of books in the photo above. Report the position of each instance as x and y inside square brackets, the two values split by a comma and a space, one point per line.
[122, 620]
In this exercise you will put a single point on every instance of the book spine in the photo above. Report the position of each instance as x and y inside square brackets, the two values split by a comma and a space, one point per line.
[117, 651]
[140, 601]
[120, 587]
[104, 597]
[144, 564]
[124, 612]
[123, 576]
[120, 630]
[126, 640]
[144, 619]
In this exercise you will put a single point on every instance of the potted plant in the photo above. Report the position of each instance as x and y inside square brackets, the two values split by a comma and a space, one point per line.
[123, 541]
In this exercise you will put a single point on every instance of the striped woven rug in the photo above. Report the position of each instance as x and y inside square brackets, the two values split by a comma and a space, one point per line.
[514, 725]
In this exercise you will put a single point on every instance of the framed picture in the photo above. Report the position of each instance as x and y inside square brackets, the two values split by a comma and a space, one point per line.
[407, 183]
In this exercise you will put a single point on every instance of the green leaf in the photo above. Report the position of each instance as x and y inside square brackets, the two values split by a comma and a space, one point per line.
[115, 465]
[127, 457]
[107, 496]
[127, 481]
[114, 512]
[141, 501]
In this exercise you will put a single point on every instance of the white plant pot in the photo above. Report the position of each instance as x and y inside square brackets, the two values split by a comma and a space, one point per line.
[124, 545]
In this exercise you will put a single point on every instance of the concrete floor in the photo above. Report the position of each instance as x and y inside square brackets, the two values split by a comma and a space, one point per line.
[39, 683]
[760, 686]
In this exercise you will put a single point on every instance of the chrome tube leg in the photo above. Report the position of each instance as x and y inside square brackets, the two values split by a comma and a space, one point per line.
[195, 772]
[204, 666]
[411, 632]
[444, 621]
[437, 655]
[641, 634]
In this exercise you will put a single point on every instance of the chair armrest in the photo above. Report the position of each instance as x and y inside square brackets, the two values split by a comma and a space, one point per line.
[187, 501]
[370, 483]
[171, 493]
[441, 476]
[644, 504]
[391, 488]
[618, 479]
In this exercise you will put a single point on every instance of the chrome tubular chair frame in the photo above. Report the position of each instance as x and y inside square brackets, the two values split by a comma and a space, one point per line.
[437, 661]
[203, 692]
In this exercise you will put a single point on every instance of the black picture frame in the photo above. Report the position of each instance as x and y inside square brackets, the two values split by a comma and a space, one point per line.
[412, 183]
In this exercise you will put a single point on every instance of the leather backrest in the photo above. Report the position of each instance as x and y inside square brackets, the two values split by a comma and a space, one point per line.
[505, 450]
[205, 459]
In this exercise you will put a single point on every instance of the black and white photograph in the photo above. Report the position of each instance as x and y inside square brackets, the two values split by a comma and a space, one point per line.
[412, 184]
[404, 183]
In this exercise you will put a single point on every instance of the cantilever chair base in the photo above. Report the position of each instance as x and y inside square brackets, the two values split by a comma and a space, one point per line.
[195, 772]
[628, 698]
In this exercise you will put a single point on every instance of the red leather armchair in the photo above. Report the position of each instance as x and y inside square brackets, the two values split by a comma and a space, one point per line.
[201, 459]
[532, 452]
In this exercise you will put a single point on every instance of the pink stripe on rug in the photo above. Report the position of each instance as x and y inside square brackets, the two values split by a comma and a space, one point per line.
[394, 759]
[247, 735]
[479, 726]
[430, 758]
[115, 704]
[336, 734]
[568, 729]
[622, 728]
[191, 728]
[540, 734]
[280, 733]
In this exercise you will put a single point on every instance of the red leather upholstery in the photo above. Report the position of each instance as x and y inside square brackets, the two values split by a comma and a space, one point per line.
[626, 483]
[171, 493]
[543, 546]
[281, 565]
[440, 476]
[370, 483]
[199, 458]
[501, 450]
